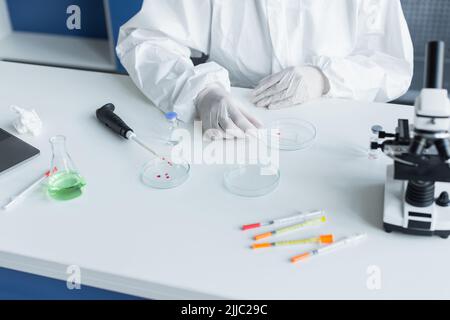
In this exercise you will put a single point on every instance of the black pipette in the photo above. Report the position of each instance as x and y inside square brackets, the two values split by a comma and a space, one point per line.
[107, 116]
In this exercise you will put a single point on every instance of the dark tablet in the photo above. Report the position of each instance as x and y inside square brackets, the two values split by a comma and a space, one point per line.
[14, 151]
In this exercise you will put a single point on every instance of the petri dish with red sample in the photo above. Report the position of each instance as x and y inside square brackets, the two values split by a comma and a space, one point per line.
[165, 173]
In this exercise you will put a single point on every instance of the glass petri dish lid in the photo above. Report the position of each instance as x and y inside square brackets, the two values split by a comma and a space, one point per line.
[165, 173]
[251, 180]
[293, 133]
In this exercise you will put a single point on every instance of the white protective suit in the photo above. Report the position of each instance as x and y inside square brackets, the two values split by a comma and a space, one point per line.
[363, 47]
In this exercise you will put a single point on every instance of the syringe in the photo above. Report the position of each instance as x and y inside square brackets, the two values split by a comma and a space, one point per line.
[15, 199]
[299, 217]
[352, 240]
[308, 223]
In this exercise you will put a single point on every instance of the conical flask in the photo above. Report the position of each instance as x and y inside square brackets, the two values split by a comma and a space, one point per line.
[65, 182]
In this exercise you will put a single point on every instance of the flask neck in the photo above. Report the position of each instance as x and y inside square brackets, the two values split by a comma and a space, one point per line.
[61, 161]
[58, 146]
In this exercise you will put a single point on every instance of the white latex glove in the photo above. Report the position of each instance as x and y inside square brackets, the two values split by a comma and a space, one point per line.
[221, 114]
[294, 85]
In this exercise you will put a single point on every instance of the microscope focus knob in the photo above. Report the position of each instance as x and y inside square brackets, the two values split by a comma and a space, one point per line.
[443, 200]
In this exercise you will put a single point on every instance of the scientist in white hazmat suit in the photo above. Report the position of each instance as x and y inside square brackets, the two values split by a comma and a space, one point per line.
[289, 51]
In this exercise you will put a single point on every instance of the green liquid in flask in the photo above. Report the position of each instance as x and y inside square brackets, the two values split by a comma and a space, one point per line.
[65, 185]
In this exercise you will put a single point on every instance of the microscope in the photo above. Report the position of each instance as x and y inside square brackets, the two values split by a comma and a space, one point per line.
[416, 196]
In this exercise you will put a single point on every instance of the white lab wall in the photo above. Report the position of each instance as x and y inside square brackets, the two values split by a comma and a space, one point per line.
[5, 26]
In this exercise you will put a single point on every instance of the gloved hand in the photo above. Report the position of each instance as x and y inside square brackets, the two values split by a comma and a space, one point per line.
[221, 114]
[294, 85]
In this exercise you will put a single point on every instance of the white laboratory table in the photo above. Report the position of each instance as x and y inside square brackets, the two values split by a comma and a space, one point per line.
[186, 242]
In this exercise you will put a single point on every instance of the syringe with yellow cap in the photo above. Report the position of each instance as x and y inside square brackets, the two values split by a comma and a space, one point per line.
[307, 223]
[322, 239]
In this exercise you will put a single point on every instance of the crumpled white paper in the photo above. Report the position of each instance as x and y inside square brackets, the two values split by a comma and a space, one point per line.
[27, 122]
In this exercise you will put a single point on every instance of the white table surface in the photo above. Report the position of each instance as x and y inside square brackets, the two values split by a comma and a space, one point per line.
[186, 242]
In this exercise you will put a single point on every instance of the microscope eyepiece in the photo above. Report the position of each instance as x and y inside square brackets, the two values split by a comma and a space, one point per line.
[434, 65]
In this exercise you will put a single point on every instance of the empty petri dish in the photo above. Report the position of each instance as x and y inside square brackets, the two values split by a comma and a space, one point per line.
[251, 180]
[162, 173]
[293, 134]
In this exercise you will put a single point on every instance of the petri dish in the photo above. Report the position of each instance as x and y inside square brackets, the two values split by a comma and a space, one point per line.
[250, 180]
[293, 133]
[163, 173]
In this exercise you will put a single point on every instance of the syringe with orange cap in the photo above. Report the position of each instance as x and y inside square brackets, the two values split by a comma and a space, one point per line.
[323, 239]
[312, 222]
[352, 240]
